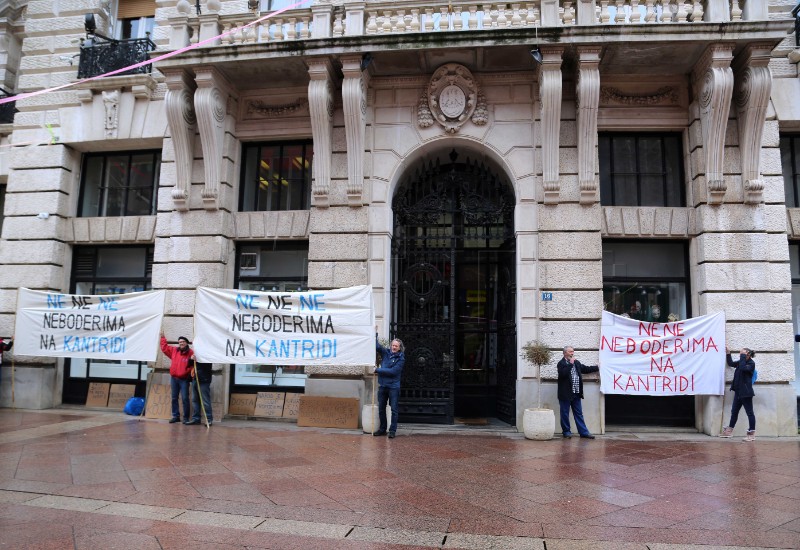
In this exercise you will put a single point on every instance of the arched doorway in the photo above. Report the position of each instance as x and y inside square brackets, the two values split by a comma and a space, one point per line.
[453, 291]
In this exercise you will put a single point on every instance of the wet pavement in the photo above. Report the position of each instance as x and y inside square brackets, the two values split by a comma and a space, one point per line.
[86, 479]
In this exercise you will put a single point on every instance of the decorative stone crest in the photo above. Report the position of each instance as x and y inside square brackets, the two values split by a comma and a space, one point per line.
[665, 95]
[111, 104]
[452, 97]
[257, 108]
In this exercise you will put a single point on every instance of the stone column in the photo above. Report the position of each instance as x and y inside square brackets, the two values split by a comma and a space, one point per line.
[320, 105]
[354, 103]
[712, 80]
[752, 90]
[588, 99]
[550, 84]
[211, 104]
[179, 106]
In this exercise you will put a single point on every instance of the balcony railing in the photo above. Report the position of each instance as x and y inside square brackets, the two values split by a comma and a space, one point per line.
[100, 56]
[7, 110]
[796, 15]
[326, 20]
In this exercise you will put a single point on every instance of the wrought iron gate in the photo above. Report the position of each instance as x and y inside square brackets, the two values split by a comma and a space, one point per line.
[440, 213]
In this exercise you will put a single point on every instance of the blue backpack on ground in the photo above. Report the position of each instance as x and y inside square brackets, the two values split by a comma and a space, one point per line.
[134, 406]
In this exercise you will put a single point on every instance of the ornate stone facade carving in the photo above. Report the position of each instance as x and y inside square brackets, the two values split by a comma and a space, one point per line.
[667, 95]
[111, 106]
[550, 99]
[452, 97]
[211, 106]
[320, 105]
[179, 106]
[713, 83]
[752, 90]
[354, 103]
[588, 99]
[255, 108]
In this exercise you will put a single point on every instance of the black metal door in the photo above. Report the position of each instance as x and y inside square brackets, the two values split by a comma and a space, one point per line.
[443, 214]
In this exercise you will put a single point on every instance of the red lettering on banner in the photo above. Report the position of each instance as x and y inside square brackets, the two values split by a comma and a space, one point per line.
[616, 381]
[661, 365]
[647, 329]
[667, 384]
[678, 345]
[644, 347]
[615, 346]
[665, 348]
[630, 384]
[631, 346]
[604, 343]
[711, 344]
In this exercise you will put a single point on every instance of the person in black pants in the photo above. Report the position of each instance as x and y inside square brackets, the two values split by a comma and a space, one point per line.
[742, 388]
[201, 389]
[570, 392]
[389, 374]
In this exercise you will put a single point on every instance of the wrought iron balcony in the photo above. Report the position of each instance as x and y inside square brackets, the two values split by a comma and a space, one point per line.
[100, 56]
[7, 110]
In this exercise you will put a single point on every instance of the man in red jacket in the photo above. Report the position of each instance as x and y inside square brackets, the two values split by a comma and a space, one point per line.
[180, 371]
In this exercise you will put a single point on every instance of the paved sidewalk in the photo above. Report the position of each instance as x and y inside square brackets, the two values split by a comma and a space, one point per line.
[84, 479]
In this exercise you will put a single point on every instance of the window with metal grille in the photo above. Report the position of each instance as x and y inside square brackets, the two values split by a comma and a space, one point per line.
[276, 176]
[641, 169]
[104, 270]
[119, 184]
[790, 161]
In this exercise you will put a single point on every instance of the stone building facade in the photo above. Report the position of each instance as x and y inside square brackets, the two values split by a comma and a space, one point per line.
[498, 173]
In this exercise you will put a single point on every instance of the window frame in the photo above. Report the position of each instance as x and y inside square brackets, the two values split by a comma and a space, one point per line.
[287, 378]
[75, 388]
[793, 140]
[103, 185]
[307, 173]
[639, 174]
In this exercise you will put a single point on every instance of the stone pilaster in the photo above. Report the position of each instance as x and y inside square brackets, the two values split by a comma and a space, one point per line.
[320, 105]
[588, 99]
[752, 90]
[713, 84]
[179, 106]
[354, 103]
[211, 107]
[550, 85]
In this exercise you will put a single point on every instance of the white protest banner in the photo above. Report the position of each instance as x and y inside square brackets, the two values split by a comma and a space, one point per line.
[680, 358]
[325, 327]
[116, 326]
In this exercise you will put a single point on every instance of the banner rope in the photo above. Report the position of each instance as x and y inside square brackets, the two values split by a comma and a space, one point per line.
[154, 59]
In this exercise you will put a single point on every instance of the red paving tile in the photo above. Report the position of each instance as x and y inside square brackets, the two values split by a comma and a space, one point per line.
[679, 492]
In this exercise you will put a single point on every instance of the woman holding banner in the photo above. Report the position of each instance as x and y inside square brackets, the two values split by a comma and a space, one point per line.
[742, 388]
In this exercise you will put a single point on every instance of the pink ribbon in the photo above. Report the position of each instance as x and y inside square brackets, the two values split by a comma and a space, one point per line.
[154, 59]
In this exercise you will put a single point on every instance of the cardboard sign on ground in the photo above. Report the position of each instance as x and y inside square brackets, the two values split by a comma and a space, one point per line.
[328, 412]
[119, 395]
[291, 405]
[242, 403]
[98, 394]
[159, 402]
[269, 403]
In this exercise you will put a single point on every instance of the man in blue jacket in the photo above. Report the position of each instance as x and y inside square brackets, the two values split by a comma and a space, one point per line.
[389, 373]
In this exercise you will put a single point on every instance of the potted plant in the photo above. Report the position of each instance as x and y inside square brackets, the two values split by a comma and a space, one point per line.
[538, 423]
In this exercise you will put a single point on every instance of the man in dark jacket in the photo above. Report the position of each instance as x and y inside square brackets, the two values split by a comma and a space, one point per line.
[570, 392]
[180, 370]
[201, 389]
[389, 373]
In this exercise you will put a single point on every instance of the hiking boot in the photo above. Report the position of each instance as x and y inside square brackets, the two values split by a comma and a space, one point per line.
[751, 436]
[727, 431]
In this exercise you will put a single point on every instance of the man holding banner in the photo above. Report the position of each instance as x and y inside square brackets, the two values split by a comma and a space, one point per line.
[570, 392]
[180, 370]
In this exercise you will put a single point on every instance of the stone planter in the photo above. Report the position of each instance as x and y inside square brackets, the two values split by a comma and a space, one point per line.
[539, 424]
[369, 418]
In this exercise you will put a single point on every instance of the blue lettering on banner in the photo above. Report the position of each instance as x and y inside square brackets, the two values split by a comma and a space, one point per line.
[55, 301]
[312, 302]
[95, 344]
[246, 301]
[296, 349]
[109, 304]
